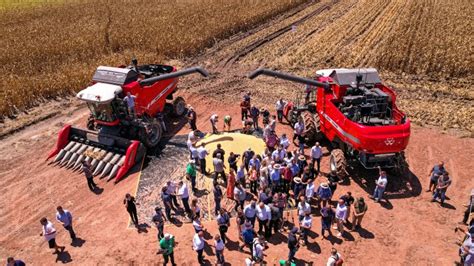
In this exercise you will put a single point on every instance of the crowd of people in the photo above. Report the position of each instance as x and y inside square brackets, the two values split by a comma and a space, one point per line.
[262, 187]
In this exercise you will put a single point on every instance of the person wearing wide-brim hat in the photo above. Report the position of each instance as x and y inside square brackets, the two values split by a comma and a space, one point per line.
[302, 163]
[324, 194]
[297, 188]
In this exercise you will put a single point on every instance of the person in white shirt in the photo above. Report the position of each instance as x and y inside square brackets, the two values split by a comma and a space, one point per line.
[306, 223]
[316, 154]
[284, 141]
[250, 212]
[303, 207]
[309, 191]
[171, 190]
[264, 216]
[202, 153]
[380, 186]
[198, 246]
[130, 101]
[341, 216]
[198, 227]
[183, 192]
[280, 105]
[335, 258]
[65, 218]
[214, 119]
[219, 246]
[299, 133]
[49, 233]
[192, 139]
[257, 250]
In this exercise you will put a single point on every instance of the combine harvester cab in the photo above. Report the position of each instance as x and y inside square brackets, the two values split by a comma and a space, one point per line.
[123, 135]
[108, 155]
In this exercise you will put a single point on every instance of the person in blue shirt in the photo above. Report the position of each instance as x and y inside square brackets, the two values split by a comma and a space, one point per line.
[12, 262]
[436, 172]
[275, 177]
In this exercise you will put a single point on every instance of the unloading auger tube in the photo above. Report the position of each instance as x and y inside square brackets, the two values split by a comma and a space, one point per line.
[184, 72]
[290, 77]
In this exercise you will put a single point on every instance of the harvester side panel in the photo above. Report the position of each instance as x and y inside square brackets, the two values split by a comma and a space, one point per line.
[63, 139]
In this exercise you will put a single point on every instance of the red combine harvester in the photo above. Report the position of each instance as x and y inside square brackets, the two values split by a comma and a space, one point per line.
[355, 112]
[119, 138]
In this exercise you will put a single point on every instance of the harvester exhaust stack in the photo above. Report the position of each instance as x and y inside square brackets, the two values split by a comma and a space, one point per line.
[286, 76]
[107, 154]
[184, 72]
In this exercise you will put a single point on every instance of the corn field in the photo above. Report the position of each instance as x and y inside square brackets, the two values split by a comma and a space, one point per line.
[51, 51]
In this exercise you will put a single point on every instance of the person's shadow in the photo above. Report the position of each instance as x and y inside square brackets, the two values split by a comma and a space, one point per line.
[64, 257]
[143, 228]
[78, 242]
[98, 190]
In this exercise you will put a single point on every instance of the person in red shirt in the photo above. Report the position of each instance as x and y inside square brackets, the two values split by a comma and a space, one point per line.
[244, 108]
[271, 141]
[287, 177]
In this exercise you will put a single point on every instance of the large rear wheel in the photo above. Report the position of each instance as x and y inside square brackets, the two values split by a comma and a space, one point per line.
[312, 127]
[179, 106]
[338, 163]
[151, 134]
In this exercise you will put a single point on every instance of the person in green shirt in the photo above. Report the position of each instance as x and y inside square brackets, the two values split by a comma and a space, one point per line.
[287, 263]
[166, 248]
[227, 122]
[191, 173]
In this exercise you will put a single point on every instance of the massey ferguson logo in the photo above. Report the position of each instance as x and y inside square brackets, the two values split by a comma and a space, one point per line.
[389, 141]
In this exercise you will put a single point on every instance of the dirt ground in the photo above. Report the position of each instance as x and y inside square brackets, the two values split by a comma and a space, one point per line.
[406, 230]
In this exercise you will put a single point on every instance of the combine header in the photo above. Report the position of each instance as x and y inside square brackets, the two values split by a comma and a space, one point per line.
[119, 136]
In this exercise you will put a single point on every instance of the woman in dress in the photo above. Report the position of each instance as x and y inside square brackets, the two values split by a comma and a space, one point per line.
[230, 184]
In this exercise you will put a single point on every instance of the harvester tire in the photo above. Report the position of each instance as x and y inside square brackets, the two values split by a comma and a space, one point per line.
[151, 139]
[179, 106]
[338, 163]
[312, 127]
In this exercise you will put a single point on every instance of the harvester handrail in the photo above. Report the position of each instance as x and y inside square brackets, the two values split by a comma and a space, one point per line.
[286, 76]
[176, 74]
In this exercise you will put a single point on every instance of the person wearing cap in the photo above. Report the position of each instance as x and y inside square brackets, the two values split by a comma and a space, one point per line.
[220, 151]
[219, 245]
[358, 211]
[246, 157]
[159, 220]
[293, 244]
[327, 219]
[227, 123]
[264, 216]
[435, 173]
[49, 233]
[470, 207]
[65, 218]
[443, 183]
[198, 246]
[166, 249]
[380, 185]
[316, 154]
[202, 153]
[191, 174]
[280, 105]
[248, 234]
[223, 222]
[275, 177]
[255, 113]
[349, 200]
[214, 120]
[324, 194]
[341, 216]
[86, 168]
[192, 117]
[219, 168]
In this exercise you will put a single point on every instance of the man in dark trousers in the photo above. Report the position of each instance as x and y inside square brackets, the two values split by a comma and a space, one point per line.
[217, 191]
[159, 221]
[255, 113]
[65, 218]
[223, 221]
[86, 168]
[192, 117]
[131, 207]
[219, 150]
[233, 158]
[293, 244]
[165, 197]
